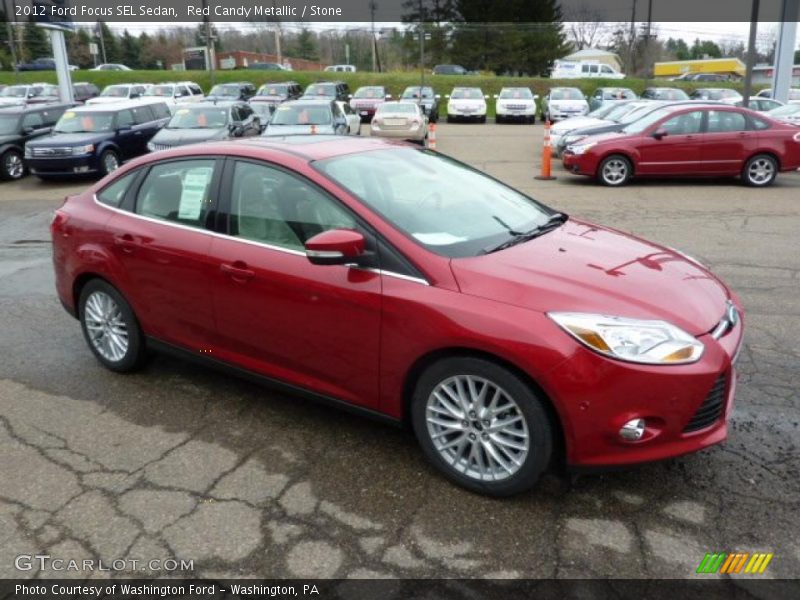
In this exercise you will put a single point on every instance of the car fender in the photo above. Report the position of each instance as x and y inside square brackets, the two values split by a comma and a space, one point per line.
[631, 154]
[96, 260]
[11, 146]
[107, 145]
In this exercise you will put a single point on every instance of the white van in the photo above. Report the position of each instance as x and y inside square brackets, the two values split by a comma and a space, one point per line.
[340, 68]
[577, 69]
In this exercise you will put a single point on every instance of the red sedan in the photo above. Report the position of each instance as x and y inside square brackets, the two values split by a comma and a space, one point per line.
[696, 141]
[403, 284]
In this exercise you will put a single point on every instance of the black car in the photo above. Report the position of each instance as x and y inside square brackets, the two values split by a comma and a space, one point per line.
[427, 99]
[335, 90]
[96, 139]
[668, 94]
[243, 90]
[205, 122]
[271, 94]
[450, 70]
[714, 94]
[17, 127]
[83, 91]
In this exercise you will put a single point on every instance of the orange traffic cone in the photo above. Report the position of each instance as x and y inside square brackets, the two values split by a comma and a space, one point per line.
[432, 136]
[546, 155]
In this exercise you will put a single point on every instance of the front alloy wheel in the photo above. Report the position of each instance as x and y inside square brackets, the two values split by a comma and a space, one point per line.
[109, 161]
[615, 171]
[13, 167]
[482, 426]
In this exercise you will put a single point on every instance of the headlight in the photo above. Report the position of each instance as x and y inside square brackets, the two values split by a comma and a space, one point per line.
[581, 148]
[151, 147]
[649, 342]
[571, 139]
[87, 149]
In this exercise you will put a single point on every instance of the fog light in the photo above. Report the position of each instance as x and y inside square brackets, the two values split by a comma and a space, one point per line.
[632, 430]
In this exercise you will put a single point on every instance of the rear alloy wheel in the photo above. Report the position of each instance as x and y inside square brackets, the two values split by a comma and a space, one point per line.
[12, 165]
[482, 426]
[109, 162]
[760, 171]
[615, 170]
[110, 327]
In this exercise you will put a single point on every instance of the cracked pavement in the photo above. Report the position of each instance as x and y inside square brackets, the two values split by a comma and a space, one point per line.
[179, 462]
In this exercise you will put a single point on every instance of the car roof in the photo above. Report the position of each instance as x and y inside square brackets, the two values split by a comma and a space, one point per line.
[117, 106]
[208, 103]
[27, 108]
[312, 101]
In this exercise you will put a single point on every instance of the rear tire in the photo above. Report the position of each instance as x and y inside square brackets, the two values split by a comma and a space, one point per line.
[12, 166]
[493, 436]
[614, 171]
[482, 119]
[760, 171]
[110, 327]
[498, 119]
[449, 119]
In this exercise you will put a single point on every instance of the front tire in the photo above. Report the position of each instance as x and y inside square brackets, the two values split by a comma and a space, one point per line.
[449, 119]
[110, 327]
[760, 171]
[614, 170]
[482, 426]
[11, 165]
[109, 162]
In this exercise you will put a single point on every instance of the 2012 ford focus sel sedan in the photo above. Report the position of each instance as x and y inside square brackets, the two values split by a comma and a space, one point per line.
[401, 283]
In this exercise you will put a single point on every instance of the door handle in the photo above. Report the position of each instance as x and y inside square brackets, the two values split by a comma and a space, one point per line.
[238, 271]
[126, 242]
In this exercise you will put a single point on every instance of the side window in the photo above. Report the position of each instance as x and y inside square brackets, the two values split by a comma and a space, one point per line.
[594, 68]
[182, 91]
[161, 111]
[34, 120]
[113, 194]
[177, 191]
[236, 115]
[684, 124]
[196, 90]
[758, 124]
[723, 121]
[337, 112]
[245, 112]
[125, 119]
[275, 208]
[584, 68]
[142, 114]
[606, 69]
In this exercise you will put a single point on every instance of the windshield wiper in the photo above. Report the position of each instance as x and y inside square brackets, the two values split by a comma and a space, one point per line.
[517, 237]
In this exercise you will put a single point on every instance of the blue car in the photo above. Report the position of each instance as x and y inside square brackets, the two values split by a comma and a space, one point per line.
[96, 140]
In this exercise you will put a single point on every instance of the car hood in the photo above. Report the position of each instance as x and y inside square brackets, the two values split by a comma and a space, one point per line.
[366, 101]
[467, 102]
[608, 136]
[70, 139]
[582, 267]
[106, 100]
[609, 126]
[575, 122]
[273, 130]
[180, 137]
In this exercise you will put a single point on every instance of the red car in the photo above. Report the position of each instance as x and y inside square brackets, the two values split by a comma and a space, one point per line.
[684, 140]
[367, 99]
[398, 282]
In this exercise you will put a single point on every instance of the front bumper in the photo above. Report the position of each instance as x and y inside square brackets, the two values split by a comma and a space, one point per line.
[595, 396]
[66, 166]
[561, 114]
[580, 164]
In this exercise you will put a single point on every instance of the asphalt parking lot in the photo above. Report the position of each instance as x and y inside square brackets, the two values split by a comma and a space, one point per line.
[181, 462]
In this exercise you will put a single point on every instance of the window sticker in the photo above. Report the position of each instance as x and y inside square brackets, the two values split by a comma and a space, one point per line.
[438, 239]
[195, 182]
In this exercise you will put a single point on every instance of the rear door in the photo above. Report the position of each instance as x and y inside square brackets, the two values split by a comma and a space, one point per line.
[160, 238]
[128, 139]
[728, 142]
[678, 152]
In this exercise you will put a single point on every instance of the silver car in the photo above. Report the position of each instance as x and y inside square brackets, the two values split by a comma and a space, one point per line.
[307, 116]
[403, 120]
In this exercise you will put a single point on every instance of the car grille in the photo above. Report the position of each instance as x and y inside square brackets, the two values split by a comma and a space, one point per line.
[157, 147]
[711, 409]
[51, 152]
[516, 106]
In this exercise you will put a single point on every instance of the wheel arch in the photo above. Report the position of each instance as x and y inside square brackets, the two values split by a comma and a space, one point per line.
[427, 360]
[771, 153]
[616, 152]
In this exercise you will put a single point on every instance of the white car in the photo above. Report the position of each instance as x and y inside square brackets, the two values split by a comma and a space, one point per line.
[515, 103]
[466, 103]
[789, 113]
[175, 93]
[794, 95]
[111, 67]
[120, 93]
[580, 69]
[563, 103]
[353, 119]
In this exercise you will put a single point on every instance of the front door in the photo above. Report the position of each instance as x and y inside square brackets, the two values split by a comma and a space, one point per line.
[678, 152]
[316, 327]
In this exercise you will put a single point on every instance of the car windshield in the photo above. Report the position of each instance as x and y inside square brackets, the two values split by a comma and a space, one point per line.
[321, 90]
[618, 111]
[618, 94]
[603, 111]
[273, 90]
[84, 122]
[199, 118]
[670, 94]
[414, 92]
[301, 114]
[262, 109]
[116, 91]
[370, 92]
[637, 113]
[163, 91]
[15, 91]
[782, 111]
[398, 109]
[442, 204]
[643, 123]
[794, 95]
[8, 124]
[516, 93]
[466, 94]
[566, 94]
[225, 90]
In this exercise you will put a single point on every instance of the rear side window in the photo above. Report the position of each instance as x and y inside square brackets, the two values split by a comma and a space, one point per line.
[125, 119]
[178, 192]
[196, 90]
[34, 120]
[685, 124]
[160, 110]
[142, 114]
[112, 194]
[725, 121]
[758, 124]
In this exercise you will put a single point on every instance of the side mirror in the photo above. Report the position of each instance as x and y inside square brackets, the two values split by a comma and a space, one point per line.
[447, 95]
[28, 131]
[388, 96]
[236, 130]
[495, 96]
[123, 128]
[349, 95]
[438, 96]
[660, 133]
[486, 96]
[335, 247]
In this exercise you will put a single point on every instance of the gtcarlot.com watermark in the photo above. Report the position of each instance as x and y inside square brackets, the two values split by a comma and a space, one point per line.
[45, 562]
